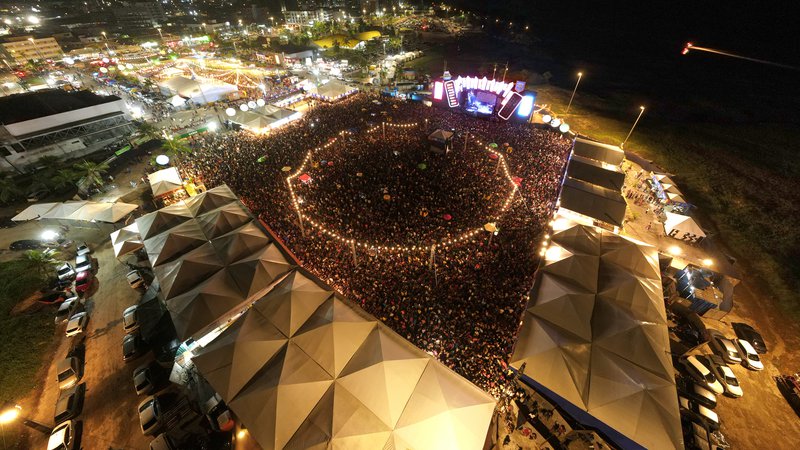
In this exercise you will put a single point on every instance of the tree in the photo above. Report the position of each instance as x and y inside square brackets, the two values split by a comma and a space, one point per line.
[40, 261]
[93, 172]
[8, 190]
[63, 179]
[174, 148]
[150, 130]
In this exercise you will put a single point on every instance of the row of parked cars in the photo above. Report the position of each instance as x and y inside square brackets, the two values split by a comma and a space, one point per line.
[705, 376]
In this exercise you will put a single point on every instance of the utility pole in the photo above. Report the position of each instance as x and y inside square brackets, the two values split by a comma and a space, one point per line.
[494, 72]
[504, 72]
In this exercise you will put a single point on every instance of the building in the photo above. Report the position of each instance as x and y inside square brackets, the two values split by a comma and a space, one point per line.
[302, 18]
[58, 123]
[140, 15]
[24, 48]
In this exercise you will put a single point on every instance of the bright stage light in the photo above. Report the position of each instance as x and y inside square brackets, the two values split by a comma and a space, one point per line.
[547, 118]
[555, 123]
[260, 102]
[162, 160]
[563, 128]
[230, 112]
[251, 104]
[438, 90]
[212, 126]
[244, 107]
[525, 106]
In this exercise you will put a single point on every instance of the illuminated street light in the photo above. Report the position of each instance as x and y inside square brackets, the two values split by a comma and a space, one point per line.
[689, 46]
[10, 414]
[641, 111]
[675, 250]
[580, 74]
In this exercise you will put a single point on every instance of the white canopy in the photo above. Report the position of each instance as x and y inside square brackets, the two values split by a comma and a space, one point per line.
[683, 228]
[165, 181]
[63, 210]
[126, 240]
[34, 212]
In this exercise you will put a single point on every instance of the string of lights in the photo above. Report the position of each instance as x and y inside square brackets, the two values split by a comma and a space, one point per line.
[467, 235]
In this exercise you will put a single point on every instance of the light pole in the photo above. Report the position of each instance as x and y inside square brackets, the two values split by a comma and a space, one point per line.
[641, 111]
[580, 74]
[161, 36]
[35, 47]
[11, 412]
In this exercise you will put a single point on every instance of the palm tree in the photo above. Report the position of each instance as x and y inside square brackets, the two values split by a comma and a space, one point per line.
[40, 261]
[63, 179]
[92, 172]
[150, 130]
[8, 190]
[174, 148]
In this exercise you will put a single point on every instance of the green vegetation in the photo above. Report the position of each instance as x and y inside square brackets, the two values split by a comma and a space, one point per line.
[91, 171]
[25, 337]
[742, 178]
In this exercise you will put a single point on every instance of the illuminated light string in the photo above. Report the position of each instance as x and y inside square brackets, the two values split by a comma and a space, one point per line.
[467, 235]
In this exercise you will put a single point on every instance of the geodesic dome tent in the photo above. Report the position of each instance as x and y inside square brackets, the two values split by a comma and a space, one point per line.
[594, 333]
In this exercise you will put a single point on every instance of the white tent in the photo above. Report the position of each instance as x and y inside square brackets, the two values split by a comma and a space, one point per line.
[198, 90]
[34, 212]
[683, 228]
[126, 240]
[63, 210]
[165, 181]
[115, 212]
[595, 333]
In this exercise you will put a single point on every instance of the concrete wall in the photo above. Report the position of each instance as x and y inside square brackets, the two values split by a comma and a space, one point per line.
[57, 120]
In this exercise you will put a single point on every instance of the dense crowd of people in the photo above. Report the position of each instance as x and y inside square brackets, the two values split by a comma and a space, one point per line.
[466, 310]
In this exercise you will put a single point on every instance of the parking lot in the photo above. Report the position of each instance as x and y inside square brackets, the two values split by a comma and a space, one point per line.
[109, 411]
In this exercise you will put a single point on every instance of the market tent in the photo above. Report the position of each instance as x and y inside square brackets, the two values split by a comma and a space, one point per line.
[211, 294]
[174, 243]
[126, 240]
[256, 272]
[683, 228]
[609, 154]
[593, 201]
[334, 89]
[595, 334]
[338, 379]
[63, 210]
[165, 181]
[594, 172]
[34, 212]
[115, 212]
[676, 198]
[223, 220]
[240, 243]
[210, 200]
[162, 220]
[198, 89]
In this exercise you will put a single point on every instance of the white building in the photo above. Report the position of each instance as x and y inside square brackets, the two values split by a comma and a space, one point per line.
[303, 18]
[21, 49]
[58, 123]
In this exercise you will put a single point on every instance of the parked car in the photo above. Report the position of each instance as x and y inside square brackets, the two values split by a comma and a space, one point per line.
[135, 279]
[69, 307]
[65, 272]
[130, 320]
[746, 332]
[83, 282]
[707, 414]
[163, 442]
[65, 436]
[723, 347]
[70, 403]
[53, 298]
[148, 378]
[132, 347]
[725, 376]
[83, 263]
[698, 368]
[77, 324]
[68, 372]
[82, 249]
[25, 244]
[750, 358]
[698, 393]
[150, 415]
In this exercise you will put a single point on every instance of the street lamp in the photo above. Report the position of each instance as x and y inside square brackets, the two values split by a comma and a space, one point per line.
[641, 111]
[10, 412]
[35, 47]
[580, 74]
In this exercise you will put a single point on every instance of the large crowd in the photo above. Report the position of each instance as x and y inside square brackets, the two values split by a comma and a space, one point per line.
[467, 309]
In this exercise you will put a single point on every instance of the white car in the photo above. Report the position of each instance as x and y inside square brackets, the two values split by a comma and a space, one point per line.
[77, 324]
[728, 379]
[134, 279]
[65, 272]
[82, 249]
[702, 374]
[83, 263]
[704, 412]
[63, 437]
[749, 355]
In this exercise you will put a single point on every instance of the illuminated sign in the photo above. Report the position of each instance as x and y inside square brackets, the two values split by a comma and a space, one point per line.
[438, 88]
[520, 86]
[510, 103]
[525, 106]
[452, 97]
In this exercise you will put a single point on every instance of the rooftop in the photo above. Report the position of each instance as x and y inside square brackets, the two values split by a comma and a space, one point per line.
[33, 105]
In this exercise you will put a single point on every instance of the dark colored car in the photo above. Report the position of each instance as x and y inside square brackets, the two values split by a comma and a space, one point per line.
[746, 332]
[70, 403]
[25, 244]
[132, 347]
[53, 298]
